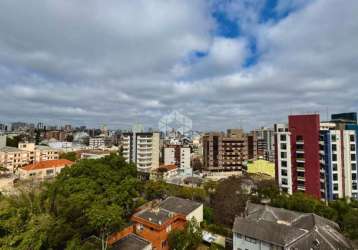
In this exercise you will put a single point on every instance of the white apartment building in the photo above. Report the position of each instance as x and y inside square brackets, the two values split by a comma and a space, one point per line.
[96, 142]
[142, 148]
[178, 155]
[284, 157]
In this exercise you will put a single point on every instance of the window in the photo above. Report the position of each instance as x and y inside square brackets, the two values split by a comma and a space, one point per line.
[283, 163]
[354, 166]
[335, 177]
[334, 157]
[283, 137]
[283, 172]
[333, 137]
[299, 138]
[239, 236]
[354, 186]
[335, 187]
[49, 172]
[353, 157]
[353, 147]
[249, 239]
[334, 166]
[283, 155]
[334, 147]
[284, 181]
[351, 137]
[283, 146]
[354, 176]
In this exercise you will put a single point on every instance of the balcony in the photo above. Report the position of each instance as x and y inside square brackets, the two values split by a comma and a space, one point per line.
[301, 178]
[301, 188]
[300, 169]
[301, 160]
[300, 142]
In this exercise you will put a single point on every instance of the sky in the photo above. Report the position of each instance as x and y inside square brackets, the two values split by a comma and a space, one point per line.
[222, 63]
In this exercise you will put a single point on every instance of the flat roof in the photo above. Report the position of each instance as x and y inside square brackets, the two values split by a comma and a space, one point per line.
[130, 242]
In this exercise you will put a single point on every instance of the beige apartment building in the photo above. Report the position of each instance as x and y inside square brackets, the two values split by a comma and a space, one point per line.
[39, 153]
[12, 158]
[142, 148]
[225, 152]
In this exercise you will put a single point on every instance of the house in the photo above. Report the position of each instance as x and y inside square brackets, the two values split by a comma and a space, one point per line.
[132, 242]
[155, 223]
[155, 220]
[190, 209]
[164, 172]
[44, 169]
[266, 227]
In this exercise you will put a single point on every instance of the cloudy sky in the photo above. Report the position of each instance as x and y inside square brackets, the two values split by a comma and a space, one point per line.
[224, 63]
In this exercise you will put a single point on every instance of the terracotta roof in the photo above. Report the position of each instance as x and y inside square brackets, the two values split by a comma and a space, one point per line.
[48, 164]
[168, 167]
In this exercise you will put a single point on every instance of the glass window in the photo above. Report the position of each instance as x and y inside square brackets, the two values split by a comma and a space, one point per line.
[335, 177]
[351, 137]
[283, 155]
[299, 138]
[284, 181]
[353, 147]
[353, 157]
[335, 187]
[49, 171]
[334, 137]
[334, 157]
[334, 166]
[283, 163]
[354, 166]
[334, 147]
[283, 172]
[354, 176]
[283, 137]
[283, 146]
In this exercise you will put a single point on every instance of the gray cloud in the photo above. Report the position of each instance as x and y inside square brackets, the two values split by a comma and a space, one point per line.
[126, 61]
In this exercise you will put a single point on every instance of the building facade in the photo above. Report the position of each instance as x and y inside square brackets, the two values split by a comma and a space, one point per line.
[43, 170]
[179, 156]
[318, 158]
[142, 149]
[225, 152]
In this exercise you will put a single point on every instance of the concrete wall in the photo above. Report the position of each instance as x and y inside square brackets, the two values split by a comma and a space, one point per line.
[198, 214]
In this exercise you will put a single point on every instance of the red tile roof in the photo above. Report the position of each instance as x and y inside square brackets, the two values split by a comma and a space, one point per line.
[48, 164]
[168, 167]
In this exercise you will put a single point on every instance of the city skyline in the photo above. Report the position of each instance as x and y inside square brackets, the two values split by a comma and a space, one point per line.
[225, 64]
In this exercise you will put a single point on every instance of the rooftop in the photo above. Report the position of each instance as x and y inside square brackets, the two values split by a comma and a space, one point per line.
[130, 242]
[179, 205]
[47, 164]
[11, 149]
[288, 228]
[155, 215]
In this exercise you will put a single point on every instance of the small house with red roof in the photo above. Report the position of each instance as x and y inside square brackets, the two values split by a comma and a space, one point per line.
[44, 169]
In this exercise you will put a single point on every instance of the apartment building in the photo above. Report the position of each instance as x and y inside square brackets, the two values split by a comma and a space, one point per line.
[43, 170]
[141, 148]
[225, 152]
[318, 158]
[96, 142]
[265, 143]
[178, 155]
[39, 153]
[12, 158]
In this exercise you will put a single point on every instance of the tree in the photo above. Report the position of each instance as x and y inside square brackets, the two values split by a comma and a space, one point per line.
[71, 156]
[229, 200]
[350, 223]
[186, 239]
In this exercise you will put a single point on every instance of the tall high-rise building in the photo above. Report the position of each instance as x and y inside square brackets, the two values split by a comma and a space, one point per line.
[318, 158]
[225, 152]
[141, 148]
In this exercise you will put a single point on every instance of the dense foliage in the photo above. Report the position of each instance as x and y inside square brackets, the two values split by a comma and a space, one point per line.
[71, 156]
[78, 210]
[186, 239]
